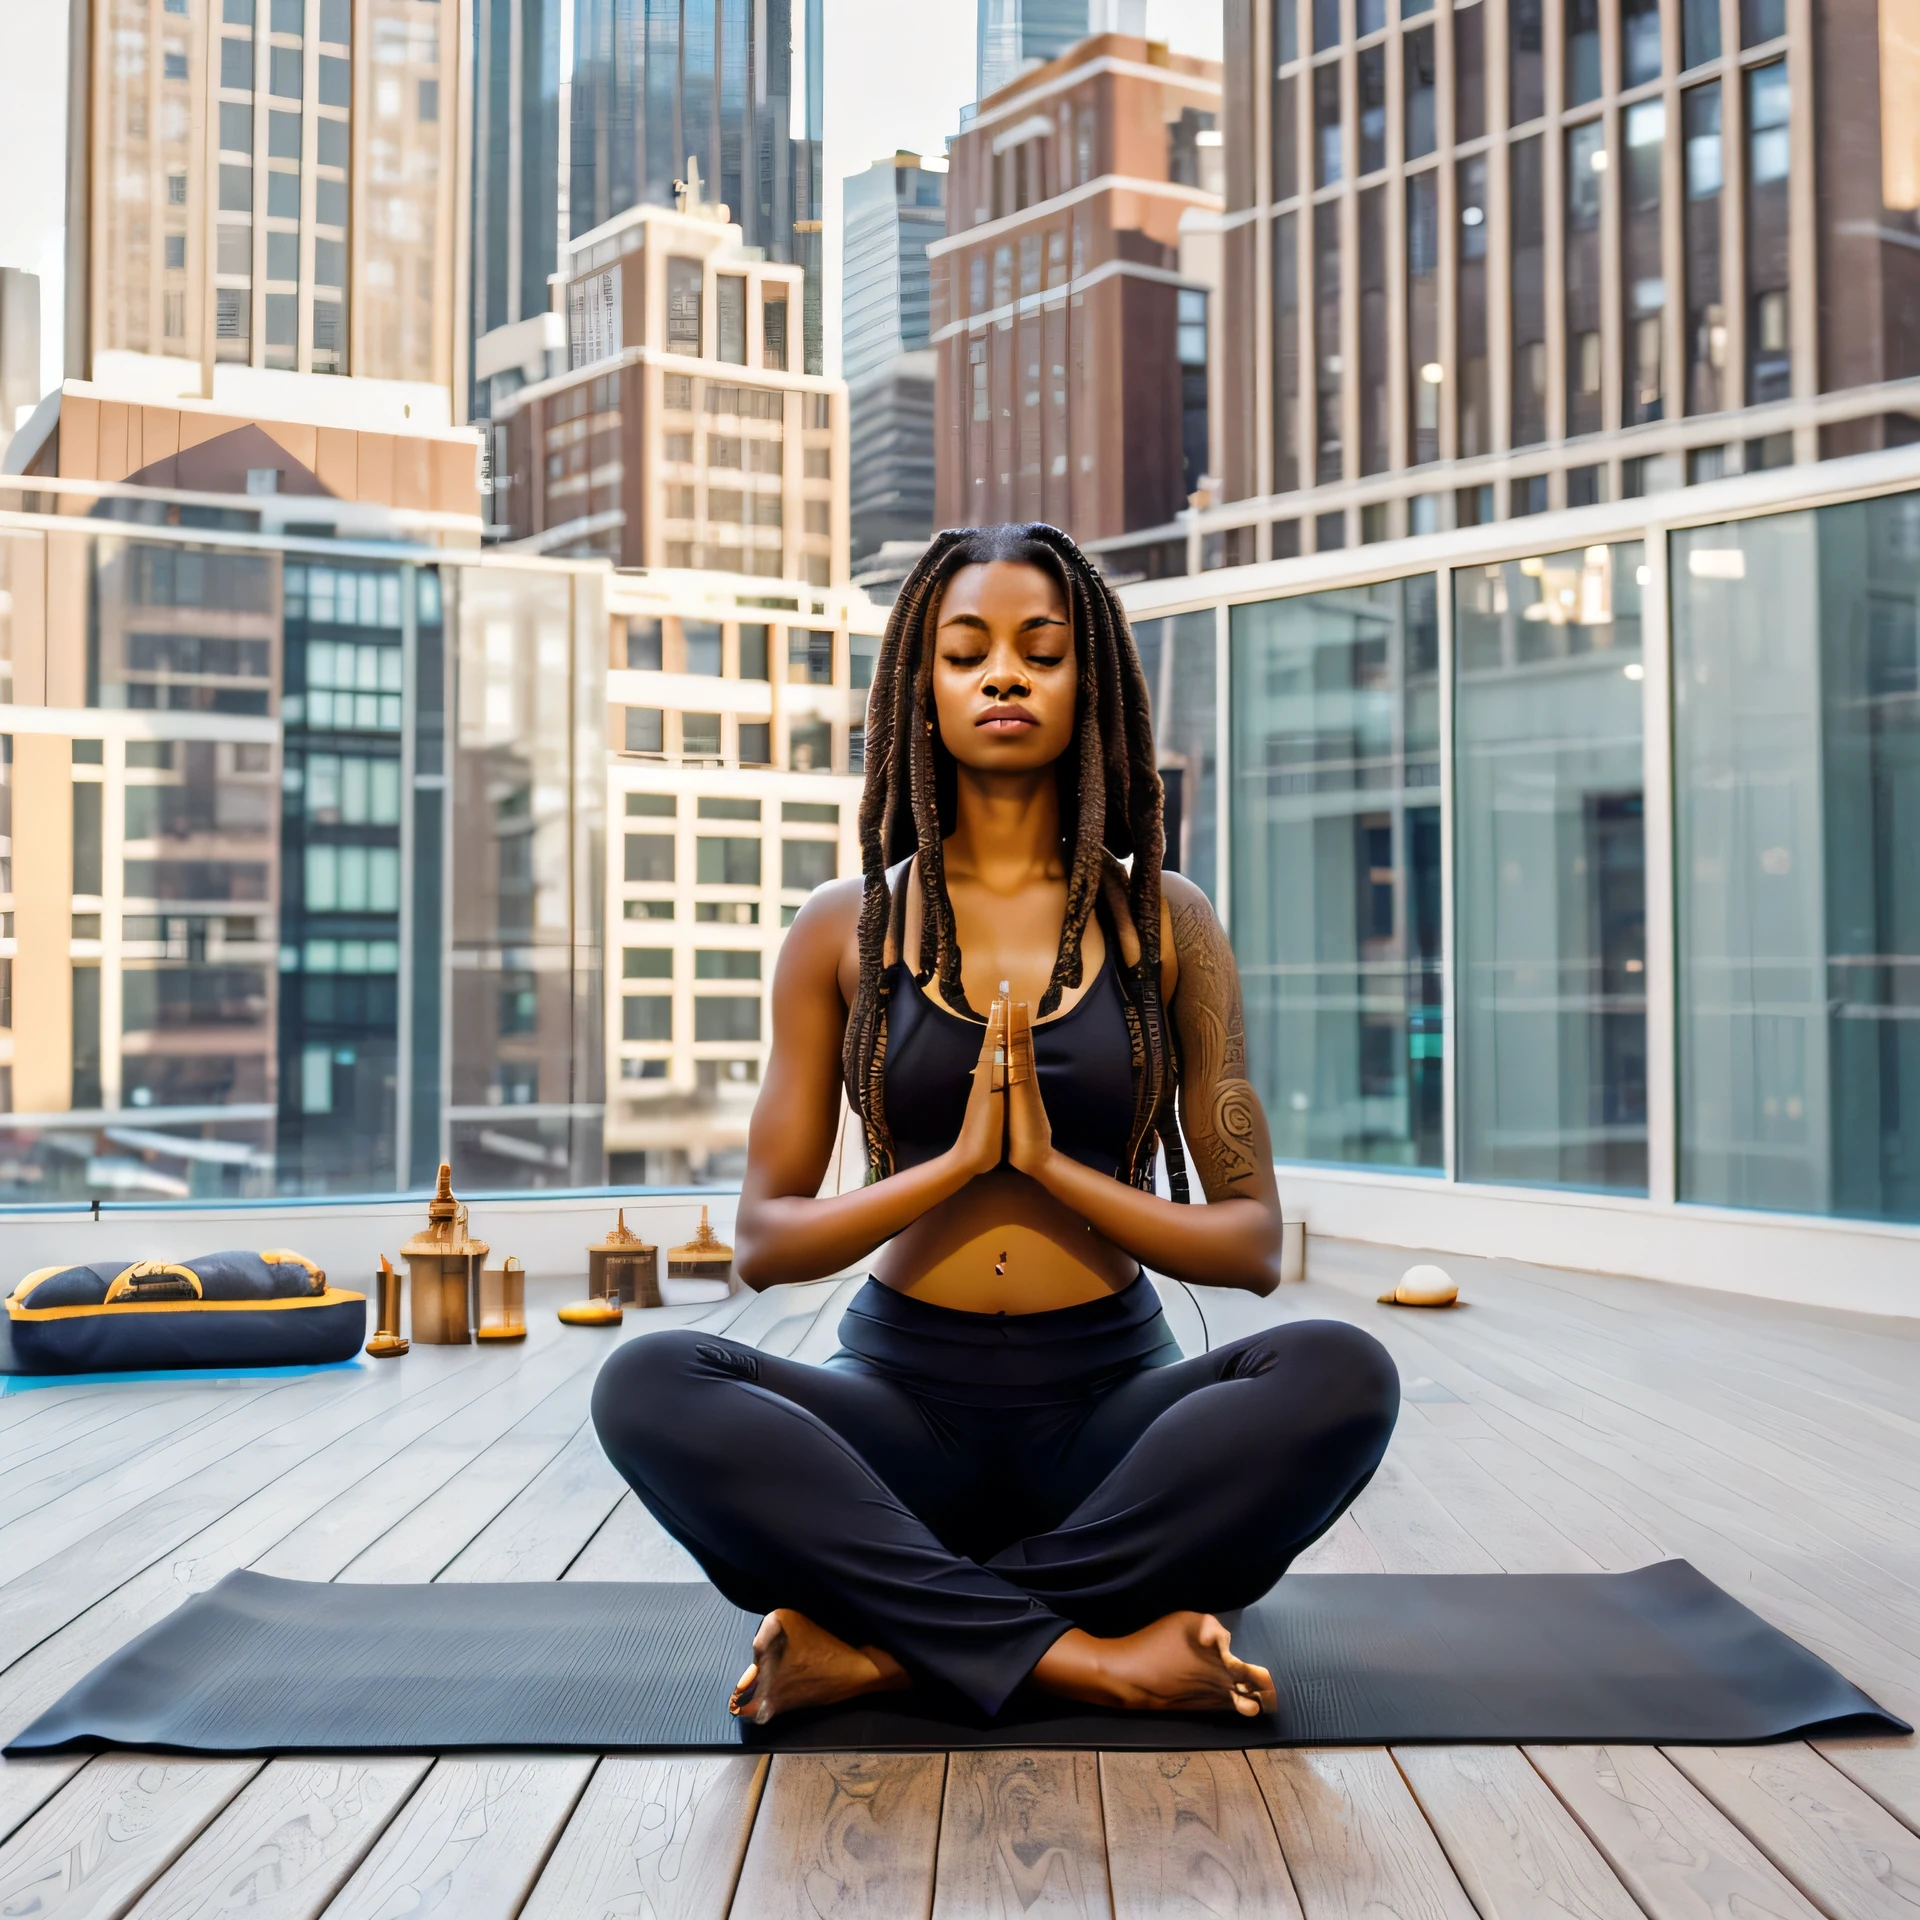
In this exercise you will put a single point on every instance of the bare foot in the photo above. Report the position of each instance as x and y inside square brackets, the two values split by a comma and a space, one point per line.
[1182, 1663]
[796, 1664]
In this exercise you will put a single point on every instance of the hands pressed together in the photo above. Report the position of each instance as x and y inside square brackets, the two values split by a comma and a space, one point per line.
[1006, 1119]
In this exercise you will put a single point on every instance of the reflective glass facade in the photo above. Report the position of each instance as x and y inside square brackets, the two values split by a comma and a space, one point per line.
[1335, 754]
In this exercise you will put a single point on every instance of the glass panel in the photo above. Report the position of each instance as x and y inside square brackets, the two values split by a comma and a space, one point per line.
[1797, 782]
[1286, 138]
[1769, 353]
[1586, 162]
[1336, 869]
[1583, 51]
[1699, 32]
[1286, 353]
[1642, 276]
[1177, 657]
[1419, 77]
[1469, 73]
[1286, 31]
[1326, 24]
[1706, 313]
[1640, 59]
[1761, 21]
[1328, 361]
[1376, 413]
[1526, 78]
[1550, 861]
[1326, 124]
[1371, 76]
[1529, 293]
[1424, 371]
[1476, 408]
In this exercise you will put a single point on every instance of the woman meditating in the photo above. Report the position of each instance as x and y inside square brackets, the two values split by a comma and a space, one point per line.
[1009, 1474]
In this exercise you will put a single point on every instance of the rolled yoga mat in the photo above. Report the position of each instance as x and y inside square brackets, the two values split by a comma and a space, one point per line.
[258, 1665]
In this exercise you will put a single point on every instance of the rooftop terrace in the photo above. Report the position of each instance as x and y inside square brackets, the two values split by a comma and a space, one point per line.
[1556, 1422]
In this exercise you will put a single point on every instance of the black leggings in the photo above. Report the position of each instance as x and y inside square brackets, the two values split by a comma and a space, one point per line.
[965, 1535]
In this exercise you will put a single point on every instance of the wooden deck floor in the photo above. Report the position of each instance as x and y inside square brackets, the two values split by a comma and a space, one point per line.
[1556, 1422]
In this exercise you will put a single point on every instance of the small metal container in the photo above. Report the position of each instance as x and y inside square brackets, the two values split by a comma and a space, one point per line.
[443, 1270]
[503, 1302]
[624, 1267]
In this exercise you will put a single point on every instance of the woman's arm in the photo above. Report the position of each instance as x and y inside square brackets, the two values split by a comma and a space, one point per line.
[783, 1230]
[1233, 1241]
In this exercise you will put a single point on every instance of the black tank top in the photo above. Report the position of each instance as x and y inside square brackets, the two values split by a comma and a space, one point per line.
[1084, 1058]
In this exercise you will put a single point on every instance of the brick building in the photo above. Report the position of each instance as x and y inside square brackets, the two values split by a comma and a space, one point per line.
[1072, 350]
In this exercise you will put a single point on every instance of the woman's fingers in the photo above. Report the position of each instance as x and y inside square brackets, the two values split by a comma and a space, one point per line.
[1020, 1046]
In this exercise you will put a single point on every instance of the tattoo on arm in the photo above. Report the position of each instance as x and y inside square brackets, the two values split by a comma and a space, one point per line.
[1219, 1110]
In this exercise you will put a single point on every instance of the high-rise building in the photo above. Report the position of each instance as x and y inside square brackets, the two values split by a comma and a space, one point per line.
[1487, 259]
[680, 435]
[268, 184]
[893, 213]
[1072, 369]
[705, 93]
[19, 348]
[516, 188]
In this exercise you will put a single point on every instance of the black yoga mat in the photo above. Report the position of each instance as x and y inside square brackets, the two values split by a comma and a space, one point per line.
[258, 1665]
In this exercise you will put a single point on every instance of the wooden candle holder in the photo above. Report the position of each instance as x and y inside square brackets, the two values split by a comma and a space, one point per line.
[443, 1270]
[387, 1342]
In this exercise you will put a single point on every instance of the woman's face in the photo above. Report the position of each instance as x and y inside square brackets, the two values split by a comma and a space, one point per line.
[1005, 677]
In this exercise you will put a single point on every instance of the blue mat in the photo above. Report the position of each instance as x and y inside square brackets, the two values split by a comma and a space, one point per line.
[28, 1382]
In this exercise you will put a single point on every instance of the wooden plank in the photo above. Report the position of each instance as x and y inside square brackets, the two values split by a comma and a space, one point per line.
[286, 1844]
[1518, 1538]
[1676, 1853]
[1343, 1548]
[1411, 1531]
[1838, 1845]
[1889, 1769]
[107, 1834]
[843, 1836]
[632, 1545]
[1188, 1835]
[1022, 1833]
[1518, 1852]
[542, 1529]
[1354, 1838]
[662, 1837]
[471, 1841]
[30, 1782]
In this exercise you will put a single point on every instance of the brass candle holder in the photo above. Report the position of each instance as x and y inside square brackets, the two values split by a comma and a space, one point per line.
[443, 1268]
[387, 1342]
[624, 1267]
[705, 1257]
[503, 1302]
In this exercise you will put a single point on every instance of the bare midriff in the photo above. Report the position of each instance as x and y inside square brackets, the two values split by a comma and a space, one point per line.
[1004, 1244]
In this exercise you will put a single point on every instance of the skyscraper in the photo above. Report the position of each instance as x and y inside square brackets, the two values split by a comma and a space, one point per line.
[267, 183]
[1484, 260]
[516, 159]
[893, 212]
[728, 87]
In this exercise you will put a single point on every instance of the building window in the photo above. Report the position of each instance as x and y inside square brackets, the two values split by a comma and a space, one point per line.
[733, 1018]
[701, 639]
[1526, 78]
[1475, 423]
[809, 658]
[1761, 21]
[1795, 728]
[646, 1017]
[1469, 72]
[1706, 311]
[1586, 166]
[1376, 448]
[1286, 353]
[1769, 354]
[236, 65]
[1286, 137]
[1640, 55]
[1327, 165]
[810, 746]
[643, 645]
[730, 861]
[1699, 32]
[1529, 292]
[773, 333]
[1329, 363]
[1425, 374]
[1550, 870]
[730, 318]
[700, 736]
[684, 279]
[1178, 662]
[1419, 91]
[1583, 51]
[806, 864]
[1642, 280]
[1371, 68]
[1326, 25]
[1335, 734]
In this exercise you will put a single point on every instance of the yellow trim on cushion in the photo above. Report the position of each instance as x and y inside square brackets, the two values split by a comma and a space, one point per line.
[125, 1307]
[19, 1294]
[127, 1282]
[277, 1256]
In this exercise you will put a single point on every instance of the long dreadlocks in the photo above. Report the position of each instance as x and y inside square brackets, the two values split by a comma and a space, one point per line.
[1110, 810]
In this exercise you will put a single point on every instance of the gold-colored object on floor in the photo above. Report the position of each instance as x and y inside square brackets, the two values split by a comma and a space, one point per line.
[624, 1267]
[443, 1268]
[503, 1302]
[705, 1257]
[596, 1310]
[388, 1343]
[1423, 1286]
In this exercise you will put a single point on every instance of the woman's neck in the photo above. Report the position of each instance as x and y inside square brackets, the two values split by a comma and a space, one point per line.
[1006, 831]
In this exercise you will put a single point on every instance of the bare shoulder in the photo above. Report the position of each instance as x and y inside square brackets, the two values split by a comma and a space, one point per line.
[824, 931]
[1190, 934]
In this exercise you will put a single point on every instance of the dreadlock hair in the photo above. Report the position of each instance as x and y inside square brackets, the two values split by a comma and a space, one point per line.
[1110, 811]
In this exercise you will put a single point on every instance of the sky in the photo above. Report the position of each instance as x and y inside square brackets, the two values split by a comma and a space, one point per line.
[888, 86]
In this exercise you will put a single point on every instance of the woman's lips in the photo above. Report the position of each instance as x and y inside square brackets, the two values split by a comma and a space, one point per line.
[1006, 720]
